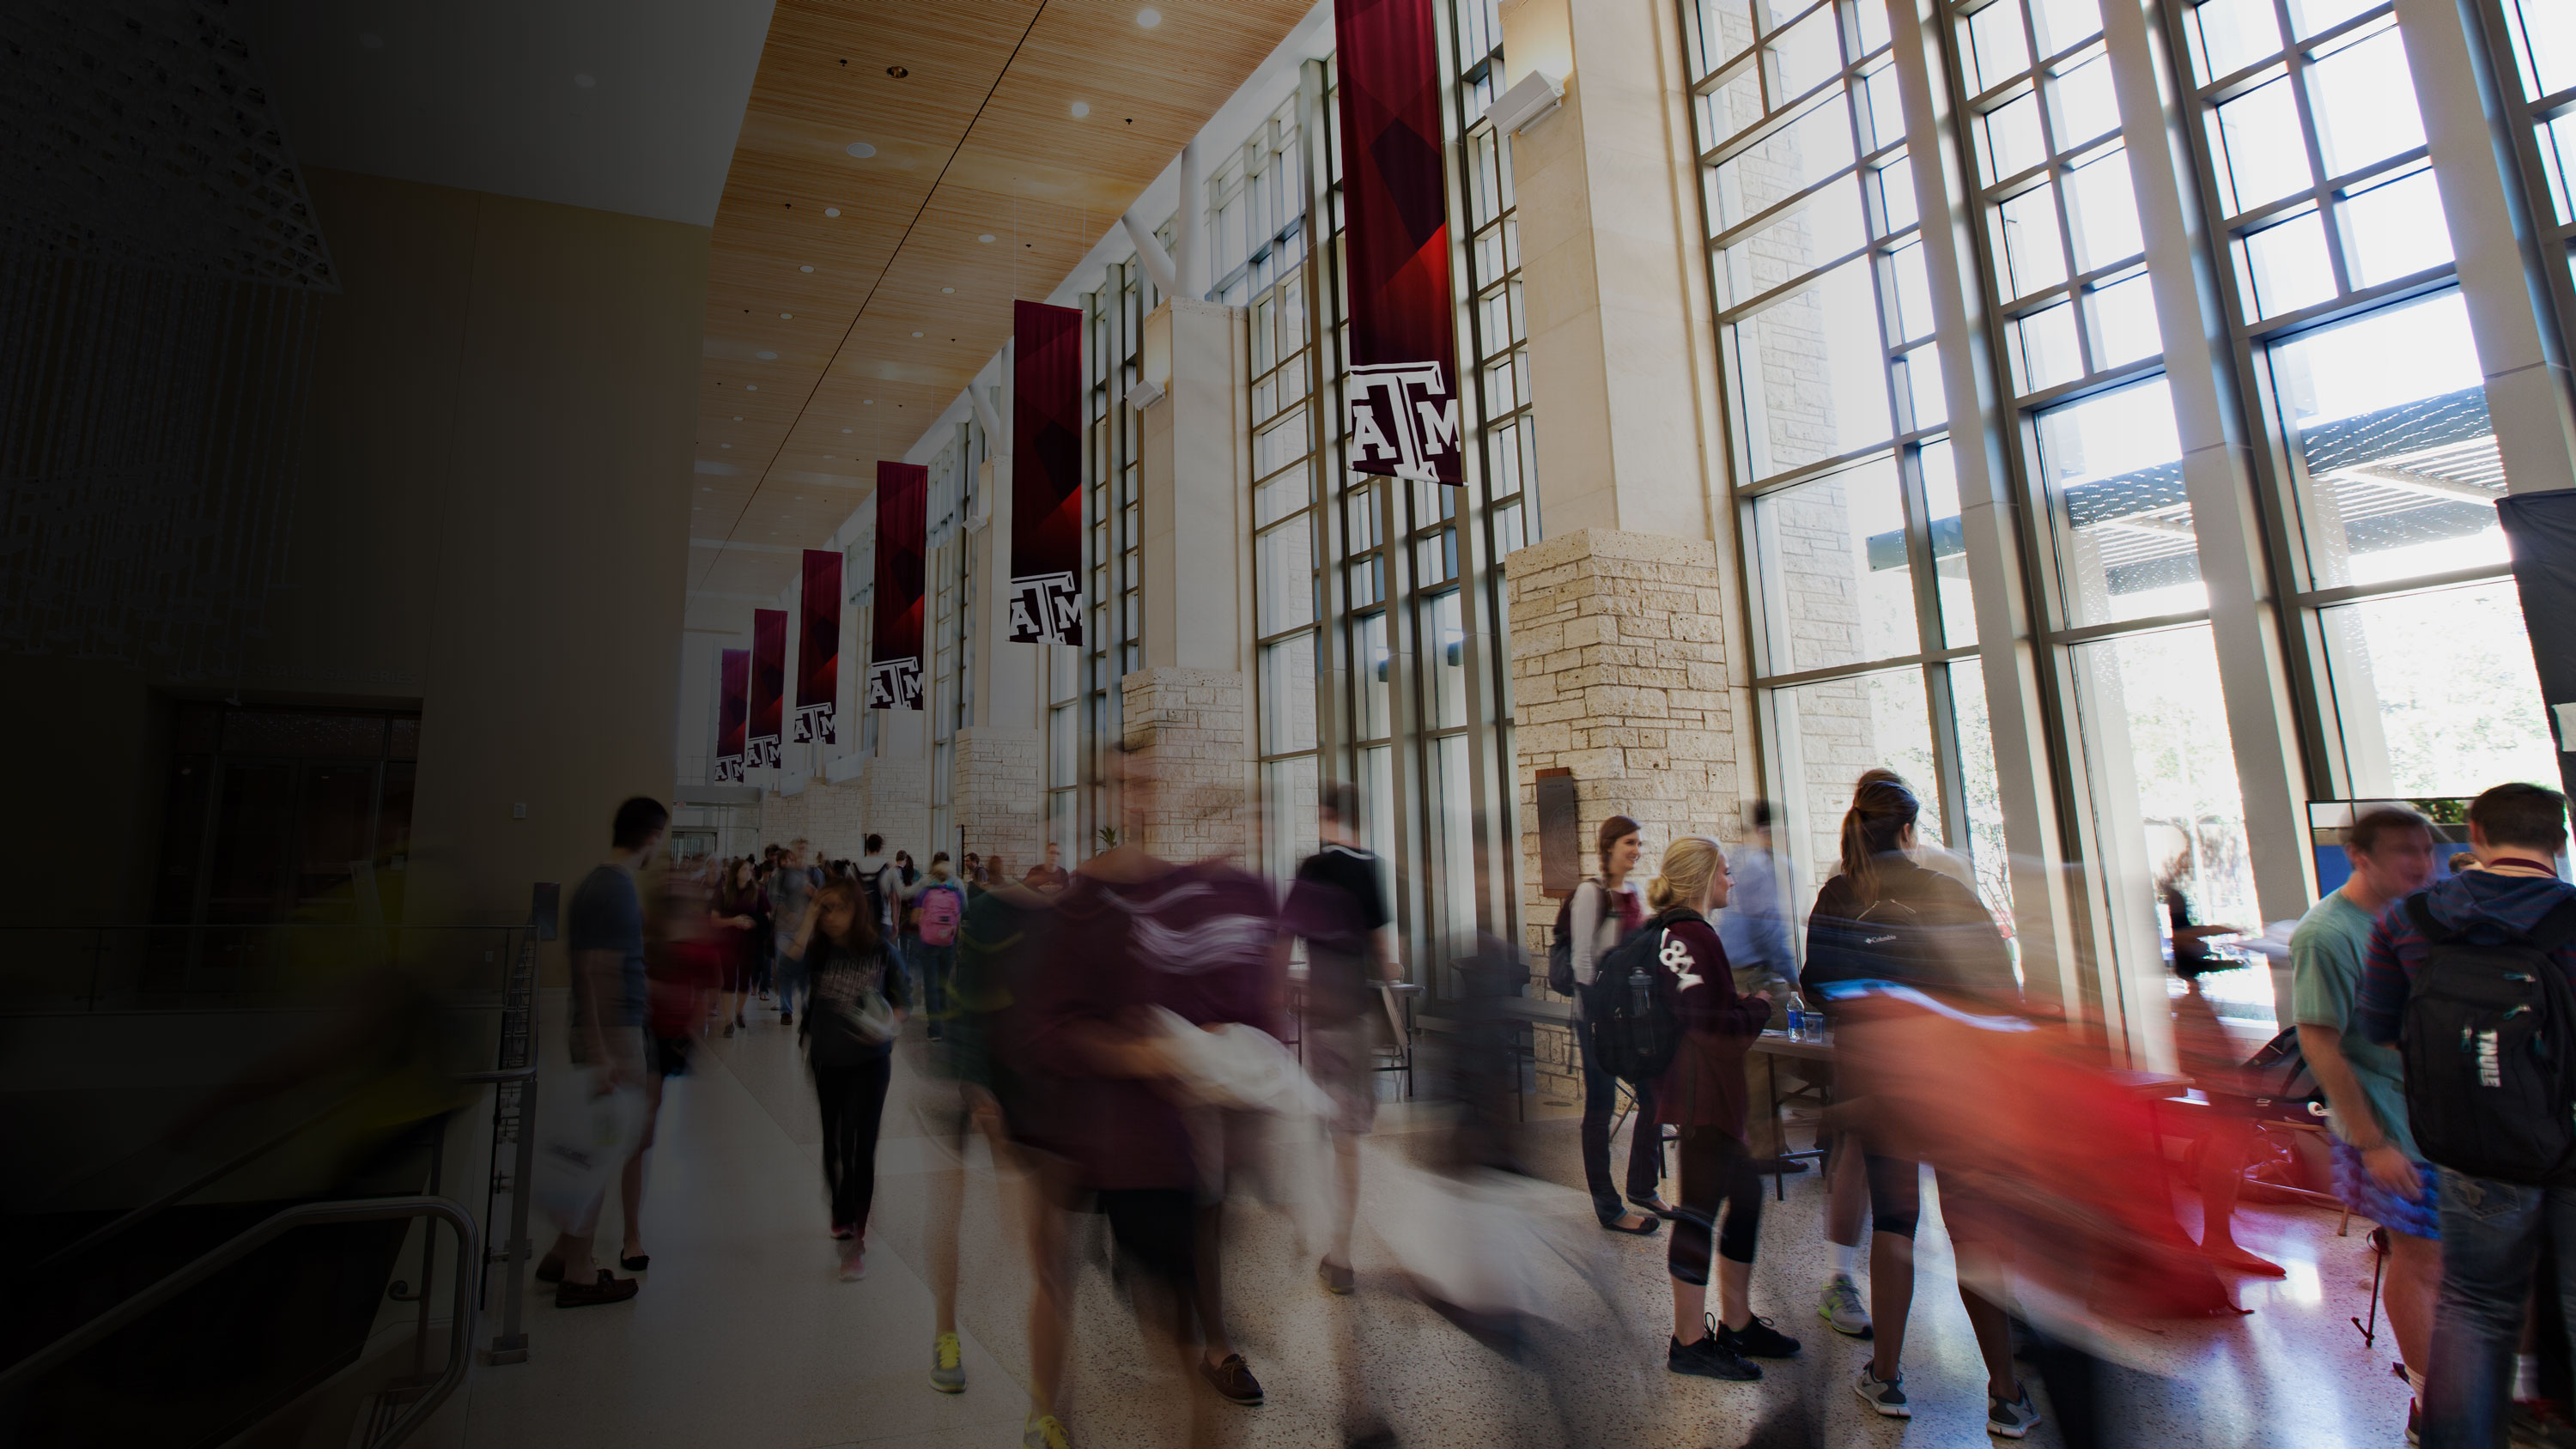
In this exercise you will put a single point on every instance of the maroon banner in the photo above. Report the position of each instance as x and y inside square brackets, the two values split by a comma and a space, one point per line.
[1404, 343]
[733, 712]
[818, 649]
[768, 686]
[903, 518]
[1046, 475]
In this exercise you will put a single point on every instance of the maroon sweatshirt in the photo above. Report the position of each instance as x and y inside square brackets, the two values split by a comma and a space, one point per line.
[1704, 1087]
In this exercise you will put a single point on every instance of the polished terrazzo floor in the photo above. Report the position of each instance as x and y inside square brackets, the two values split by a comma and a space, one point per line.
[742, 1336]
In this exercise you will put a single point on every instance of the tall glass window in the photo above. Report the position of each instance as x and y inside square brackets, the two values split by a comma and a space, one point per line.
[1113, 517]
[1837, 420]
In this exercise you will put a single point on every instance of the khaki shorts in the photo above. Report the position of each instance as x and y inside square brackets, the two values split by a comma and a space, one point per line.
[1342, 1058]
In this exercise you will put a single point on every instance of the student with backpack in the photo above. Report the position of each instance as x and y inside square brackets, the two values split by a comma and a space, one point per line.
[933, 906]
[1673, 967]
[2470, 978]
[1595, 918]
[1888, 921]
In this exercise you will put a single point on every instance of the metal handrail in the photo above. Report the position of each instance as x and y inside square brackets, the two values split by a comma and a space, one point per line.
[250, 1240]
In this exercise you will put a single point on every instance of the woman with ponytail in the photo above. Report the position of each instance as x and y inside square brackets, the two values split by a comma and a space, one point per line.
[1703, 1094]
[1885, 922]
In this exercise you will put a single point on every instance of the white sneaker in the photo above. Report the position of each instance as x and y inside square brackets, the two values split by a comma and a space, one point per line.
[2013, 1420]
[1842, 1309]
[1888, 1398]
[854, 1262]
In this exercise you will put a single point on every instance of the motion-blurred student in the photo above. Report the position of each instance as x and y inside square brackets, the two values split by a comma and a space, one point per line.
[1339, 909]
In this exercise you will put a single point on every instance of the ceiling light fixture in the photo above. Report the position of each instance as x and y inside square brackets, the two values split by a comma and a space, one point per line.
[786, 316]
[948, 291]
[737, 417]
[868, 401]
[806, 268]
[751, 387]
[898, 72]
[845, 430]
[766, 356]
[988, 236]
[916, 334]
[1149, 17]
[724, 445]
[1081, 109]
[831, 211]
[585, 80]
[860, 149]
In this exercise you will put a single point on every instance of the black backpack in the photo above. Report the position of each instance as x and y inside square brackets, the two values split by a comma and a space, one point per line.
[1630, 1010]
[2489, 1042]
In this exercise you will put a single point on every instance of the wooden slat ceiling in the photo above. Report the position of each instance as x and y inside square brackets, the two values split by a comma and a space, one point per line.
[810, 376]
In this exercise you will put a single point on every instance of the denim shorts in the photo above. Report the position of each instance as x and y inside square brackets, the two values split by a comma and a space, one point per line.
[2418, 1216]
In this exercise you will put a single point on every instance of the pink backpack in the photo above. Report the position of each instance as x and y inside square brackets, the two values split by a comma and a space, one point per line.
[939, 913]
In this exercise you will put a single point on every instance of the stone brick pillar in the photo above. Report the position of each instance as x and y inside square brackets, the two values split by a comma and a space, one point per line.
[1186, 726]
[996, 793]
[894, 801]
[1618, 660]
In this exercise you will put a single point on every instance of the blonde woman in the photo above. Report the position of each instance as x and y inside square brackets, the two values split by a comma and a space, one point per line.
[1703, 1094]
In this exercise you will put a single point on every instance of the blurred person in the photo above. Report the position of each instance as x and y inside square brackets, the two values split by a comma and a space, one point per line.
[764, 924]
[2485, 937]
[684, 970]
[932, 908]
[791, 897]
[2378, 1170]
[735, 912]
[2216, 1065]
[1755, 925]
[604, 939]
[1135, 934]
[1338, 907]
[1048, 875]
[1703, 1094]
[2191, 950]
[876, 880]
[957, 1094]
[1602, 912]
[2466, 860]
[853, 1014]
[1922, 852]
[1884, 918]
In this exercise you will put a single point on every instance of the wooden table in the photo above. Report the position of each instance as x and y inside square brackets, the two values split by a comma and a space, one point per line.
[1771, 1046]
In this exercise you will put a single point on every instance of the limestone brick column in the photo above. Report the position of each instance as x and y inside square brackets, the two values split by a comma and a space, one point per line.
[996, 791]
[1186, 710]
[1619, 669]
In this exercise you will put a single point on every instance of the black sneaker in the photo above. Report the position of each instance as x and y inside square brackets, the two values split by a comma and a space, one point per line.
[1757, 1339]
[1710, 1359]
[1233, 1380]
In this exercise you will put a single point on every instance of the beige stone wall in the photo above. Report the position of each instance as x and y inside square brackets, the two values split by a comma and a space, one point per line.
[997, 795]
[1186, 728]
[1619, 673]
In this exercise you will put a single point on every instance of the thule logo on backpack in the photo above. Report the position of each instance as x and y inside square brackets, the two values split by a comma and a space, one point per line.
[2490, 1070]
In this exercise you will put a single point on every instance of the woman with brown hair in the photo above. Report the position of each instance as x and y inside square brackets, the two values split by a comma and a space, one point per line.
[854, 1009]
[1886, 922]
[1599, 915]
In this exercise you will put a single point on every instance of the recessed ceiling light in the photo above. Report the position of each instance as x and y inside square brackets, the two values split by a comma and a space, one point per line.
[372, 42]
[1149, 17]
[845, 430]
[831, 211]
[860, 149]
[869, 401]
[947, 291]
[786, 316]
[737, 417]
[706, 490]
[806, 268]
[751, 387]
[585, 80]
[724, 445]
[1081, 109]
[766, 356]
[916, 334]
[898, 72]
[988, 236]
[800, 497]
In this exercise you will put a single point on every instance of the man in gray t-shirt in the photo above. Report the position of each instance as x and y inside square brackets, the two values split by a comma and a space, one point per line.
[604, 939]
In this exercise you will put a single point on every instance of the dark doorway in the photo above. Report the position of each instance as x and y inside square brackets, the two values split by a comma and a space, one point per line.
[280, 813]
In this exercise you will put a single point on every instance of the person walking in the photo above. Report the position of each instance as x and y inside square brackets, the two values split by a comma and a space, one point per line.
[853, 1014]
[735, 911]
[1600, 915]
[1703, 1094]
[933, 906]
[604, 937]
[2378, 1170]
[2483, 938]
[1338, 907]
[791, 896]
[1885, 918]
[1048, 876]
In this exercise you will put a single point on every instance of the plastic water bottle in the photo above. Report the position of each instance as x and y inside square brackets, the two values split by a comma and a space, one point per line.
[1798, 1022]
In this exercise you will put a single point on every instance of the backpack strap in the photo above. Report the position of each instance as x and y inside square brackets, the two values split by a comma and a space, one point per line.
[2419, 909]
[2555, 929]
